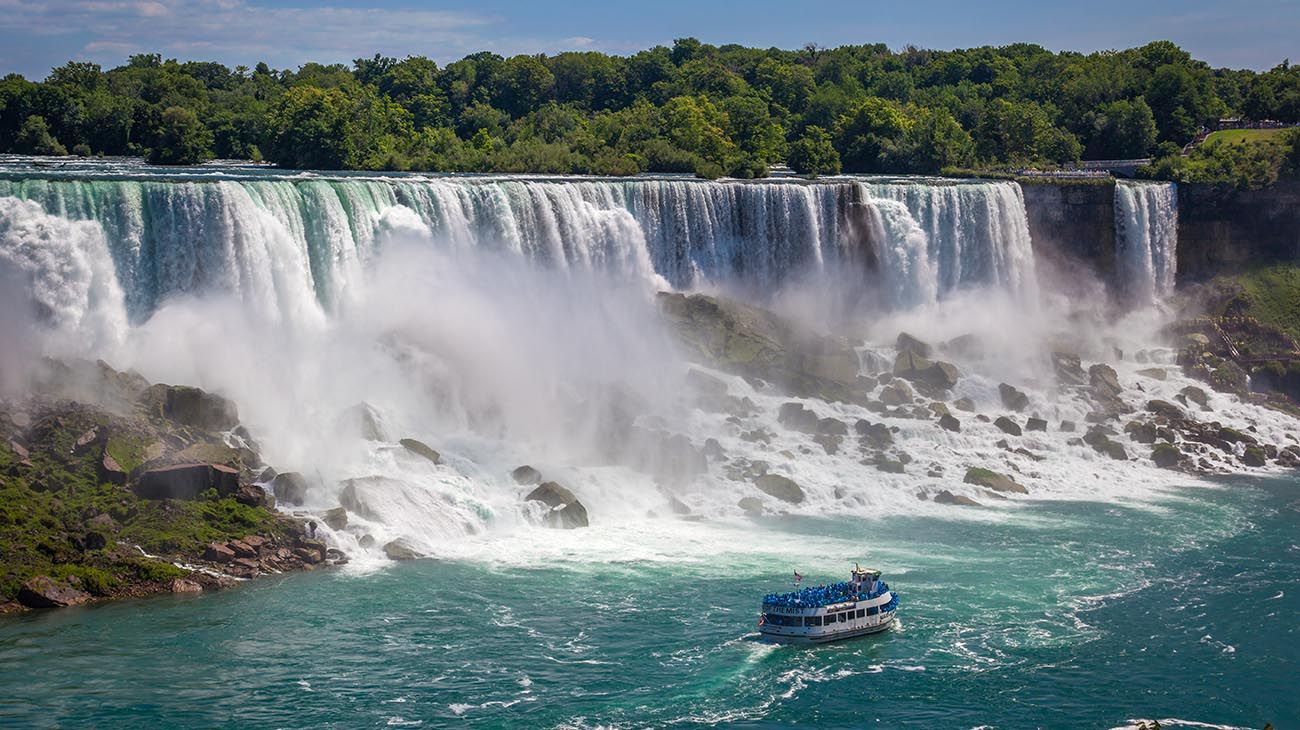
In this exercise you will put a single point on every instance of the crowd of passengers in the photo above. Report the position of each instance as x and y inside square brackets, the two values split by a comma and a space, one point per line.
[822, 595]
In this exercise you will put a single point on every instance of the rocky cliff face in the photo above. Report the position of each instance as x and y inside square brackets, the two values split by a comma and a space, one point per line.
[1073, 222]
[1222, 229]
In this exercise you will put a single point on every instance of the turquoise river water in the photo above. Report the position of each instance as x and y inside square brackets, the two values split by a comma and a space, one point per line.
[1056, 614]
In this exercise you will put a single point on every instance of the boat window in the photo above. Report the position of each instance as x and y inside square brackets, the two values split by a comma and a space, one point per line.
[873, 611]
[812, 621]
[844, 617]
[862, 612]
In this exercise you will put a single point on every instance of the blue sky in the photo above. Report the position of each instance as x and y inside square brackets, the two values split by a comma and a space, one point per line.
[36, 35]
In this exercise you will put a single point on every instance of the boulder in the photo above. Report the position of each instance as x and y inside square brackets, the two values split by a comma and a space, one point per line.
[193, 407]
[752, 506]
[254, 496]
[1013, 398]
[187, 481]
[1007, 426]
[965, 346]
[1067, 426]
[289, 488]
[949, 423]
[1154, 373]
[219, 553]
[526, 475]
[111, 472]
[1166, 409]
[1142, 433]
[182, 585]
[908, 343]
[992, 480]
[877, 435]
[45, 592]
[1103, 378]
[1195, 395]
[890, 466]
[1194, 341]
[947, 497]
[897, 393]
[419, 448]
[566, 511]
[1166, 456]
[936, 375]
[1069, 369]
[796, 417]
[783, 488]
[964, 404]
[336, 519]
[1036, 424]
[1253, 456]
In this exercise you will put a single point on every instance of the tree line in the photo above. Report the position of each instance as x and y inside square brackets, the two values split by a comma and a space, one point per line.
[692, 107]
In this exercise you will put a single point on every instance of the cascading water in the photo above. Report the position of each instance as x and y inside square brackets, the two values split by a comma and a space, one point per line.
[289, 246]
[1146, 227]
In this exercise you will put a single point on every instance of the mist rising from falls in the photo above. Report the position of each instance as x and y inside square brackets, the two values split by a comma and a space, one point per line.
[1146, 226]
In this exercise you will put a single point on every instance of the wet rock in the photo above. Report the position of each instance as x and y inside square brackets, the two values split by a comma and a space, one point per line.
[266, 476]
[1195, 395]
[992, 480]
[1067, 426]
[1069, 369]
[929, 375]
[1166, 409]
[897, 393]
[752, 506]
[400, 550]
[1233, 436]
[908, 343]
[336, 519]
[45, 592]
[419, 448]
[1166, 456]
[289, 488]
[758, 435]
[966, 346]
[566, 511]
[705, 384]
[949, 423]
[1154, 373]
[939, 409]
[191, 407]
[796, 417]
[1013, 398]
[876, 435]
[526, 475]
[947, 497]
[1036, 424]
[182, 585]
[1104, 378]
[964, 404]
[782, 488]
[1007, 426]
[254, 496]
[1143, 433]
[363, 420]
[832, 427]
[187, 481]
[366, 542]
[713, 450]
[1253, 456]
[890, 466]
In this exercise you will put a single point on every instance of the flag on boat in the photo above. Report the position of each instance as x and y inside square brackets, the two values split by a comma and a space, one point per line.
[797, 578]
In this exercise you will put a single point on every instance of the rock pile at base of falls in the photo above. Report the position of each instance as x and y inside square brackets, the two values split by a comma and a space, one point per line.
[565, 512]
[753, 342]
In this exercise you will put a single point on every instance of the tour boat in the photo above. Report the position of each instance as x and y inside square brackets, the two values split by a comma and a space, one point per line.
[815, 615]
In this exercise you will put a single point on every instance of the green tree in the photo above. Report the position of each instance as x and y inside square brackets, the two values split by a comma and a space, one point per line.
[1182, 101]
[181, 140]
[933, 140]
[312, 128]
[1121, 130]
[694, 124]
[813, 154]
[34, 138]
[868, 133]
[751, 128]
[524, 84]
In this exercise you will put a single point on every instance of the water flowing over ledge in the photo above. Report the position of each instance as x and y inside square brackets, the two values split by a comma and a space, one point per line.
[1146, 226]
[291, 245]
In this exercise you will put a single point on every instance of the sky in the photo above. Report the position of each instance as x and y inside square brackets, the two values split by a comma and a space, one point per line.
[37, 35]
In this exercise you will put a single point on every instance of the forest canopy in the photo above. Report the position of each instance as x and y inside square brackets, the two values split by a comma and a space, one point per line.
[694, 107]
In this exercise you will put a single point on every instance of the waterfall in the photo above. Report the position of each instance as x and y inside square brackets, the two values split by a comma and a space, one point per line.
[290, 246]
[1146, 235]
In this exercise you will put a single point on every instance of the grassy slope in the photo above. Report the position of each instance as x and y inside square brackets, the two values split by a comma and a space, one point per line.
[46, 512]
[1229, 136]
[1270, 294]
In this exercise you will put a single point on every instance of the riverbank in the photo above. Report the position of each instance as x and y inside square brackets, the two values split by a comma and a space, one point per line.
[112, 487]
